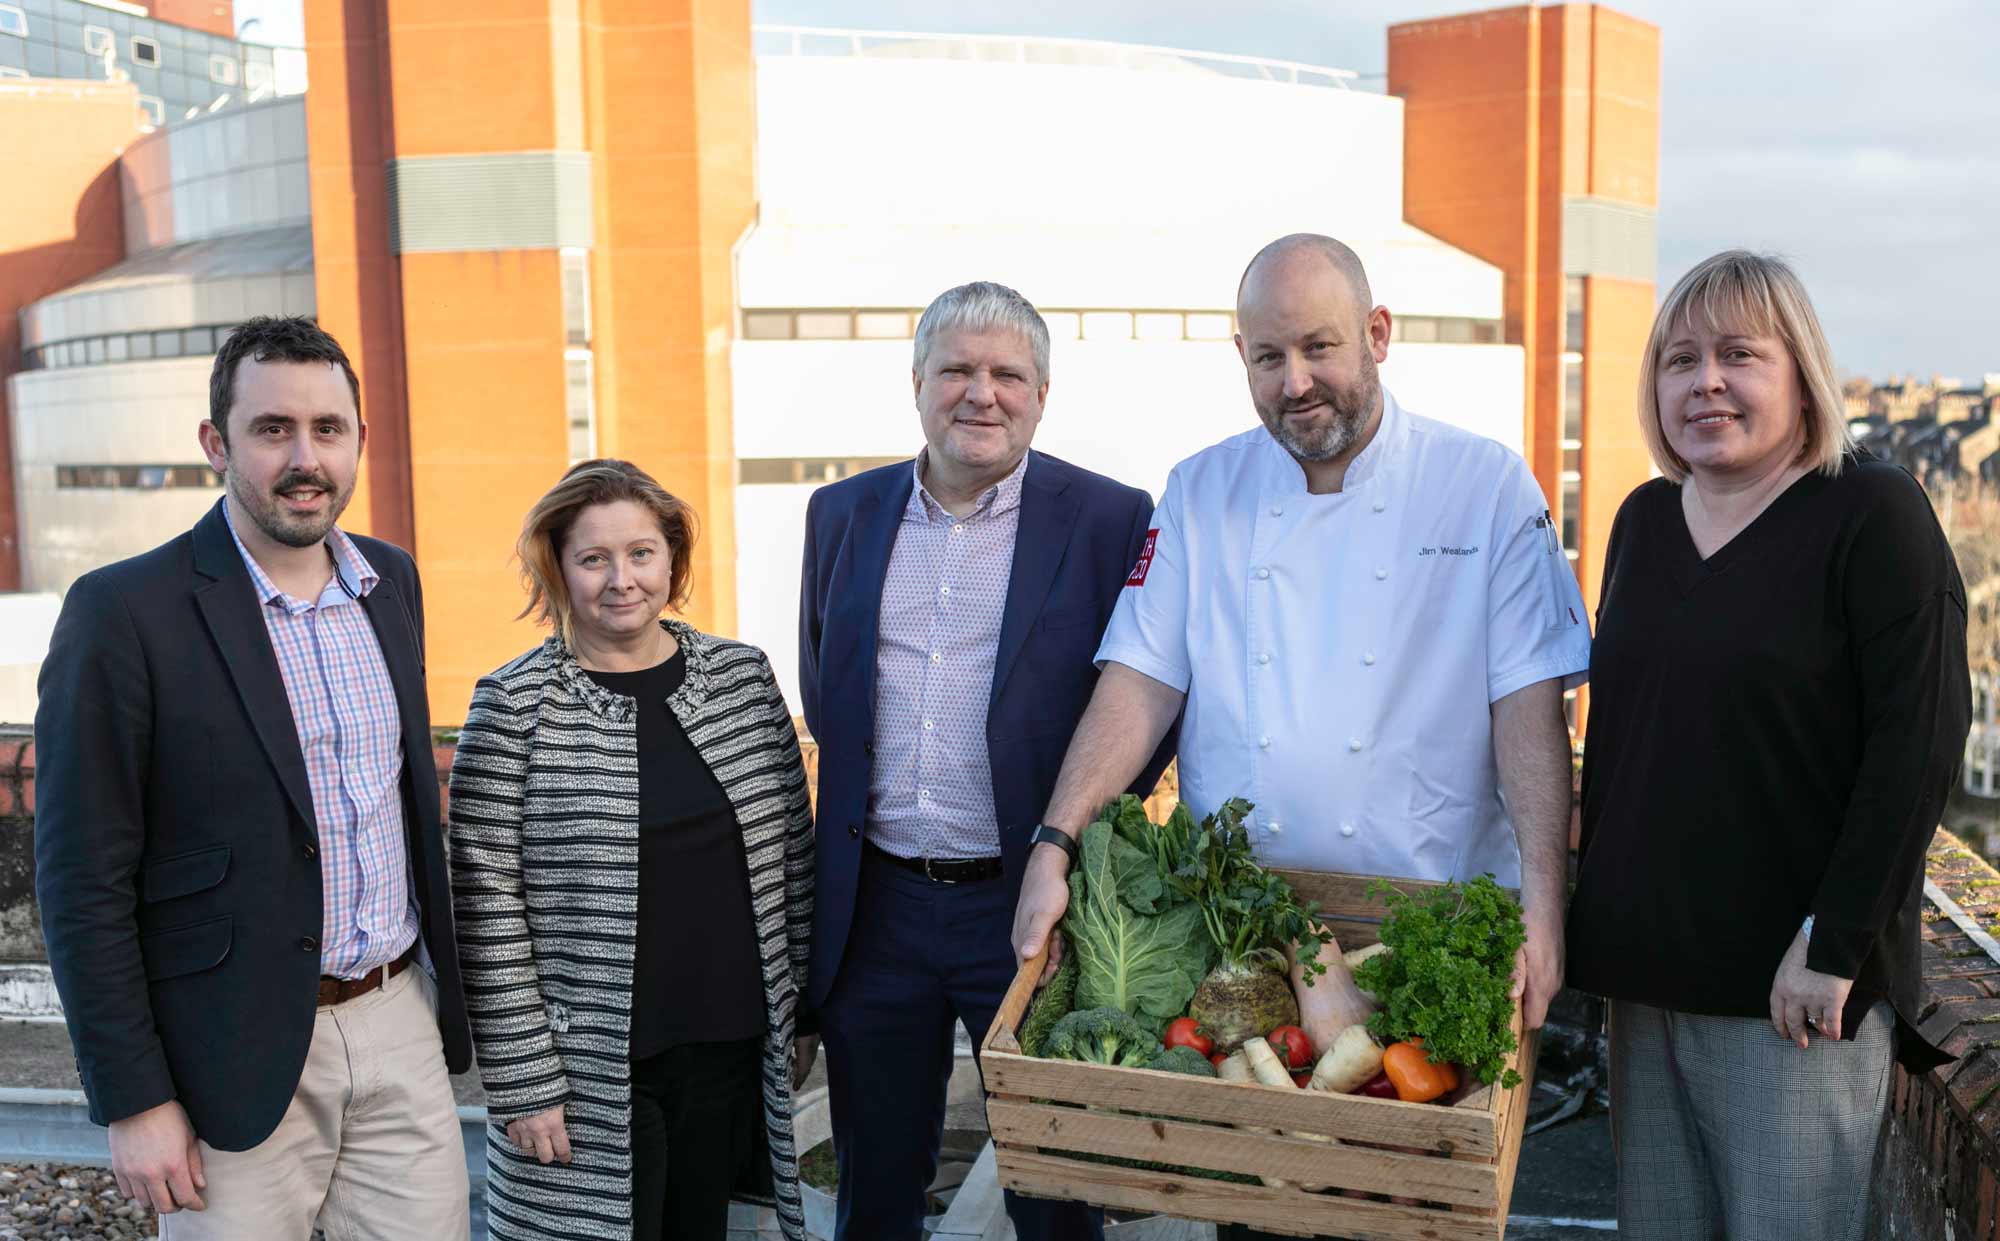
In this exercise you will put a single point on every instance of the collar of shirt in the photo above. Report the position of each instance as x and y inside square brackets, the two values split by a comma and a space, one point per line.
[351, 570]
[1002, 497]
[1380, 456]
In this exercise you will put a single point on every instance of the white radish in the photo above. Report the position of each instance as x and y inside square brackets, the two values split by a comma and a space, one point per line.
[1353, 1059]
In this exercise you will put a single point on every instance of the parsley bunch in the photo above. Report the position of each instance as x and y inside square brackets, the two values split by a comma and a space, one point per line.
[1448, 973]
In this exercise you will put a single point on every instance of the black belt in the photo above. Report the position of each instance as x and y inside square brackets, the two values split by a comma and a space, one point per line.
[942, 870]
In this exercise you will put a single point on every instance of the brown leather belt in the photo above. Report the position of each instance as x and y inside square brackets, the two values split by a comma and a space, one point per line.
[340, 990]
[942, 870]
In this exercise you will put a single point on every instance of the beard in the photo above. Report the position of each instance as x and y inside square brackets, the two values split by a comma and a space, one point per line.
[1338, 429]
[267, 509]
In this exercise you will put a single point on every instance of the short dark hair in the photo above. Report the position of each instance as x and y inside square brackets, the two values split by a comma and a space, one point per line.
[272, 338]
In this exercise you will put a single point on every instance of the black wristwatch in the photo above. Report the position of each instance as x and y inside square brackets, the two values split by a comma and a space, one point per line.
[1046, 835]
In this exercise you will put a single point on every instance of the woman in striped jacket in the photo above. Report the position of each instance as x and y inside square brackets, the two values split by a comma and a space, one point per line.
[631, 856]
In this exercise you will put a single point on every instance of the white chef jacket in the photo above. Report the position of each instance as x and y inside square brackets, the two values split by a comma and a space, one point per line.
[1340, 652]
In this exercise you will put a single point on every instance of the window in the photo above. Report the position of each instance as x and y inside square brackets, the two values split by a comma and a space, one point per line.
[1420, 329]
[581, 405]
[256, 78]
[1107, 325]
[13, 20]
[882, 324]
[1573, 314]
[145, 51]
[767, 325]
[222, 69]
[142, 346]
[137, 477]
[576, 297]
[155, 110]
[166, 344]
[9, 71]
[114, 348]
[1208, 326]
[780, 471]
[1151, 325]
[825, 325]
[1572, 505]
[97, 40]
[1572, 398]
[94, 350]
[1063, 324]
[197, 341]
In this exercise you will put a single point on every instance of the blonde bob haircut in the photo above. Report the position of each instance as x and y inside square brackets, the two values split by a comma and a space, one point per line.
[1754, 295]
[588, 483]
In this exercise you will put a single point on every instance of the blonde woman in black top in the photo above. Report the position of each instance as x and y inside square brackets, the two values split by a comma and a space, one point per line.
[1779, 700]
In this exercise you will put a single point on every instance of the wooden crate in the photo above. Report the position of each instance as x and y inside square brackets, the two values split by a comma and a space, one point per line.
[1042, 1111]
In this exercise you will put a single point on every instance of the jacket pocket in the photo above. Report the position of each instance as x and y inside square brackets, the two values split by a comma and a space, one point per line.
[184, 874]
[187, 949]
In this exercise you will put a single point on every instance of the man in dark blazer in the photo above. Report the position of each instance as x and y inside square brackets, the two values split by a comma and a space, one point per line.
[237, 846]
[950, 611]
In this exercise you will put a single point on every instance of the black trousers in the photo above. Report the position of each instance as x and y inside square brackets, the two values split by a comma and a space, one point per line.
[695, 1109]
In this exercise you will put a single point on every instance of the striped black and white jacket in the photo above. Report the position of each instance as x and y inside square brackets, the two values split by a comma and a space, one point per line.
[544, 839]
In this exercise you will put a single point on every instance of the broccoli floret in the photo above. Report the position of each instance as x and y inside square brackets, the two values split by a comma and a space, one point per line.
[1182, 1060]
[1051, 1006]
[1102, 1036]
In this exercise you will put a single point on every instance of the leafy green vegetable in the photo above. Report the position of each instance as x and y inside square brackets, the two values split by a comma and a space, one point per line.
[1182, 1060]
[1147, 965]
[1447, 977]
[1051, 1006]
[1103, 1036]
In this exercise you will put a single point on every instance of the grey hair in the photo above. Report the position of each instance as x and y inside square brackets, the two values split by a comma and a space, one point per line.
[1339, 254]
[980, 307]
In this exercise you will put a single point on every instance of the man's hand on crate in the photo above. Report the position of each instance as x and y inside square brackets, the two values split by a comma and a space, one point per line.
[1044, 898]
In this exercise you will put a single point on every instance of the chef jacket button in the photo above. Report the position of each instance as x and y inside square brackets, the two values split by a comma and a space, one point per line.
[1262, 574]
[1277, 510]
[1275, 829]
[1264, 743]
[1347, 829]
[1381, 575]
[1379, 506]
[1369, 659]
[1354, 745]
[1264, 657]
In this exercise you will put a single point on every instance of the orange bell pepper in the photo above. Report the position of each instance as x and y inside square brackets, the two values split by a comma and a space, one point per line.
[1415, 1078]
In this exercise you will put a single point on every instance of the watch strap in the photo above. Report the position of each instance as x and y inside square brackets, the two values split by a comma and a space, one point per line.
[1046, 835]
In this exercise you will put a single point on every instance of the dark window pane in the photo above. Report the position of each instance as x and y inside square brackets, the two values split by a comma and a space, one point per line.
[167, 344]
[142, 345]
[94, 350]
[1572, 501]
[1572, 400]
[1572, 460]
[198, 340]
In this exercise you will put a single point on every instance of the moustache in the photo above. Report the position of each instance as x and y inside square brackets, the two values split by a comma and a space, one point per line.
[294, 479]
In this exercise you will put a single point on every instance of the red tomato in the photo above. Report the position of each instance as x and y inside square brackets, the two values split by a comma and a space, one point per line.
[1302, 1078]
[1216, 1059]
[1378, 1087]
[1292, 1047]
[1186, 1032]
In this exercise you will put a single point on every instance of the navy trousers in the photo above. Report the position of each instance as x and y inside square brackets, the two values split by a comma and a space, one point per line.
[920, 957]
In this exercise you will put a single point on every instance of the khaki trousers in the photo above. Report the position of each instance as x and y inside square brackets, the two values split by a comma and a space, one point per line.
[369, 1149]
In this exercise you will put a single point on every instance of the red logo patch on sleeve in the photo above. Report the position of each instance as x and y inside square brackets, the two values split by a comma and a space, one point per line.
[1138, 574]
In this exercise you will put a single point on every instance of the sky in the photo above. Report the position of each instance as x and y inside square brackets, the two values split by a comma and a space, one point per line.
[1858, 139]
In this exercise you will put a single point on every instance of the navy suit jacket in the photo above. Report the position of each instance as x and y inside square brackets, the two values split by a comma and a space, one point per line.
[1079, 536]
[176, 852]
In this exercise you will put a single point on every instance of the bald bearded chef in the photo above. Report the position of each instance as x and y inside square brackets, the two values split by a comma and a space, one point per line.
[1368, 620]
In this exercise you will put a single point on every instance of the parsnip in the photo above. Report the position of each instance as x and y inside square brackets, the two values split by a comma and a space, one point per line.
[1359, 955]
[1236, 1068]
[1270, 1071]
[1347, 1065]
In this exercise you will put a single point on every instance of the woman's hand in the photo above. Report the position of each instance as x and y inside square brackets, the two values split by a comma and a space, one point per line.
[1804, 1000]
[542, 1135]
[805, 1050]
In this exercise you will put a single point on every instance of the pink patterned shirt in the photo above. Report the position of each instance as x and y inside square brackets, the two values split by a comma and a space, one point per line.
[344, 707]
[931, 791]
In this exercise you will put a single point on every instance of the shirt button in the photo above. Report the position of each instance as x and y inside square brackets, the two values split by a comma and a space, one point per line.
[1369, 659]
[944, 590]
[1382, 575]
[1262, 574]
[1379, 506]
[1264, 657]
[854, 831]
[308, 944]
[1347, 829]
[1263, 743]
[1277, 510]
[1354, 745]
[928, 726]
[956, 529]
[935, 657]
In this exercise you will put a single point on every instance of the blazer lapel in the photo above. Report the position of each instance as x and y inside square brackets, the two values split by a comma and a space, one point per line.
[384, 606]
[876, 519]
[228, 603]
[1048, 516]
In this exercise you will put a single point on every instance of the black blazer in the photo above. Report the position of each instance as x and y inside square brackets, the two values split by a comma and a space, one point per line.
[1079, 536]
[176, 854]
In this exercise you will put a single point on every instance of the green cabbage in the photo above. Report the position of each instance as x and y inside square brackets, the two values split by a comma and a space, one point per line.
[1147, 964]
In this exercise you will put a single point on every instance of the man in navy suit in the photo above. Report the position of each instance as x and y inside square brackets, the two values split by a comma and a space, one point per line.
[949, 616]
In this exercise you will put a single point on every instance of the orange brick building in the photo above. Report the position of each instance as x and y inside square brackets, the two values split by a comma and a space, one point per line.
[1531, 139]
[523, 218]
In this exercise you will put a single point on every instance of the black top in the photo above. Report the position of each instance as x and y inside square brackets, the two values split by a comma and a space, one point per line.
[695, 973]
[1773, 733]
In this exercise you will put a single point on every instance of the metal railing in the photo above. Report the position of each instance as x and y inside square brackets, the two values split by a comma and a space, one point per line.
[1016, 49]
